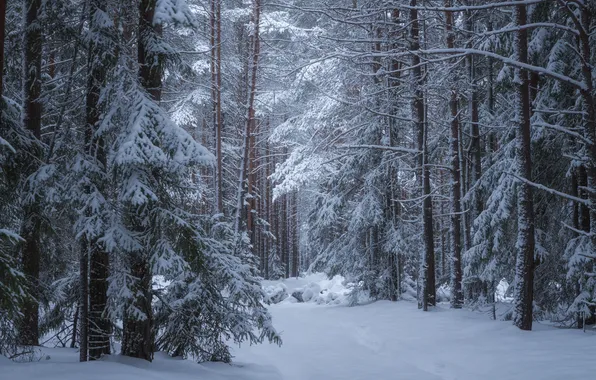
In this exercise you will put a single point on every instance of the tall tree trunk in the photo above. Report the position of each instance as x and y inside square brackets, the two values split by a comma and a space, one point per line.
[242, 212]
[524, 290]
[283, 235]
[84, 301]
[393, 206]
[98, 326]
[75, 323]
[215, 38]
[583, 23]
[138, 336]
[456, 271]
[476, 151]
[30, 229]
[428, 257]
[2, 32]
[295, 252]
[581, 219]
[268, 208]
[250, 192]
[491, 145]
[475, 154]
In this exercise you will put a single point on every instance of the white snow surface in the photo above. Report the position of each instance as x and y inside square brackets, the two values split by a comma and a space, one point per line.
[380, 341]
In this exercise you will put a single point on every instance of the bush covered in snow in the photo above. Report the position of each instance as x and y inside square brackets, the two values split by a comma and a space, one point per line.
[444, 293]
[275, 293]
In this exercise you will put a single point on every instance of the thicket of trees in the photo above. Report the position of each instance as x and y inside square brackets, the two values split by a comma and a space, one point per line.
[448, 144]
[113, 229]
[158, 157]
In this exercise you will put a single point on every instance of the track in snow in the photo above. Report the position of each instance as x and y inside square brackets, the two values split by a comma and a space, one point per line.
[396, 341]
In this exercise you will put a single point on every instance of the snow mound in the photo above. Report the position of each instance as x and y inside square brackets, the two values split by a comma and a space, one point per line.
[444, 293]
[316, 288]
[275, 293]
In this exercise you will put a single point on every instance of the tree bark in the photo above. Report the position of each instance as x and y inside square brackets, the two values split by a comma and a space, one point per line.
[2, 34]
[581, 218]
[583, 24]
[428, 258]
[138, 336]
[524, 291]
[295, 252]
[456, 271]
[84, 301]
[268, 207]
[75, 322]
[215, 38]
[98, 326]
[476, 151]
[283, 235]
[31, 225]
[242, 212]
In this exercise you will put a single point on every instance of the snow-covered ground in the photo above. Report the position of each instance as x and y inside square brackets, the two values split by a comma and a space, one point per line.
[387, 340]
[379, 341]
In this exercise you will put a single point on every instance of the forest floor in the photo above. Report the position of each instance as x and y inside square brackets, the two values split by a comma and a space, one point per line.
[378, 341]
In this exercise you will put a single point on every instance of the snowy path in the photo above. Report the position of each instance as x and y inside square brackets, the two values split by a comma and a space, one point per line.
[396, 341]
[380, 341]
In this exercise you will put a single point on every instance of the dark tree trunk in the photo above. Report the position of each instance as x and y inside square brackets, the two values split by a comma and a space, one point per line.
[491, 145]
[295, 253]
[138, 337]
[580, 218]
[428, 262]
[456, 271]
[524, 292]
[75, 323]
[268, 211]
[216, 40]
[2, 31]
[476, 151]
[243, 213]
[250, 176]
[150, 62]
[283, 235]
[583, 24]
[30, 229]
[98, 326]
[583, 218]
[84, 301]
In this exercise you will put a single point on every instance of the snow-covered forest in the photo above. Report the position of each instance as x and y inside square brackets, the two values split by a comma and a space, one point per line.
[165, 165]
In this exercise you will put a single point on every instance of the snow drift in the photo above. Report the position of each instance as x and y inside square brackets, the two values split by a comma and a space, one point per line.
[315, 288]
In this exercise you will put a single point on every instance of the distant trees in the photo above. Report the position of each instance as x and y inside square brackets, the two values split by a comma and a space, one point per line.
[495, 108]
